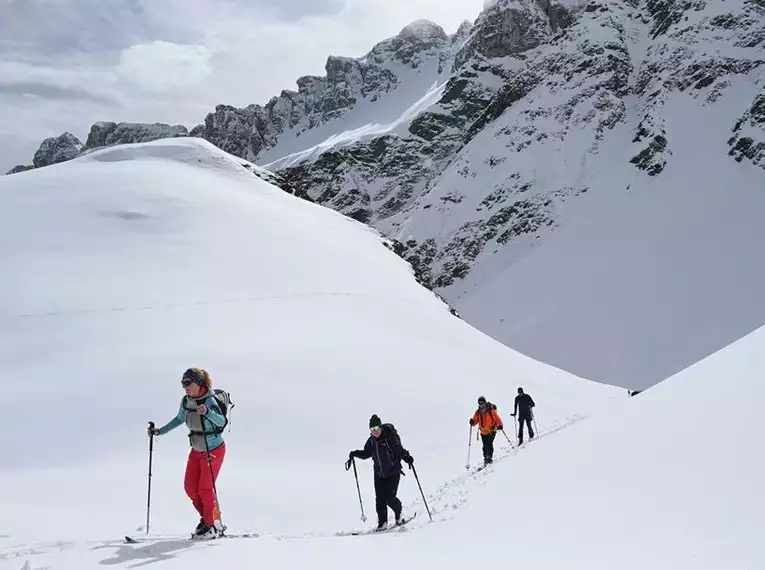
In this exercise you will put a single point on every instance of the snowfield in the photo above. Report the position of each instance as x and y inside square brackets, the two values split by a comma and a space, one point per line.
[127, 265]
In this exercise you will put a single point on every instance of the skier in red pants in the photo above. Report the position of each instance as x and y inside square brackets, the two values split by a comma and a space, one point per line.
[201, 412]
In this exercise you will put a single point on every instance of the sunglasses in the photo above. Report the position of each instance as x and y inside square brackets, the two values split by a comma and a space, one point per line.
[376, 428]
[186, 383]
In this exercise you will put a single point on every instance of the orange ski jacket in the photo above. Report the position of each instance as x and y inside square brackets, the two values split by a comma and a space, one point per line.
[487, 421]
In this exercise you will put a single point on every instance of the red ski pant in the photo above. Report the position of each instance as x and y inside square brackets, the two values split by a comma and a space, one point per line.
[198, 481]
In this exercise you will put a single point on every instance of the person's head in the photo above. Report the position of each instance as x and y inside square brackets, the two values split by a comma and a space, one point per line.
[520, 390]
[195, 381]
[482, 402]
[375, 425]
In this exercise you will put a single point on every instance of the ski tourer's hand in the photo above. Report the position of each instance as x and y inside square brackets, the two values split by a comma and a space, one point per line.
[348, 464]
[512, 415]
[500, 428]
[152, 430]
[409, 460]
[472, 423]
[202, 410]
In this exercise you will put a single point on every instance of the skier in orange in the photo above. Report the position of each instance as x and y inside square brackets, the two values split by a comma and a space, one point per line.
[488, 421]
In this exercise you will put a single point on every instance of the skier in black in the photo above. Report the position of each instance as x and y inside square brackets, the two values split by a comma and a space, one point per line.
[523, 409]
[385, 449]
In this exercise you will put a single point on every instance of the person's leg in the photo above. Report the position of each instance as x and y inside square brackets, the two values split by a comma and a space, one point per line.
[380, 501]
[205, 488]
[486, 441]
[391, 492]
[191, 481]
[520, 430]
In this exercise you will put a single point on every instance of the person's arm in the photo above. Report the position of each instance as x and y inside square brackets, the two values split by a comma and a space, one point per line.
[531, 401]
[214, 415]
[497, 419]
[474, 419]
[399, 449]
[174, 423]
[365, 453]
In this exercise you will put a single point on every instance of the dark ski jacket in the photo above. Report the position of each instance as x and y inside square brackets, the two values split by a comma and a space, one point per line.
[386, 452]
[523, 405]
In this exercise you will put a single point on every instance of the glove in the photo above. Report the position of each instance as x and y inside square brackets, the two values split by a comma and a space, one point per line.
[152, 431]
[409, 460]
[500, 428]
[472, 423]
[512, 415]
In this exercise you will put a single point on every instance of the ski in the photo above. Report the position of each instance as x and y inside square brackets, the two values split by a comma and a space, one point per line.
[374, 530]
[146, 539]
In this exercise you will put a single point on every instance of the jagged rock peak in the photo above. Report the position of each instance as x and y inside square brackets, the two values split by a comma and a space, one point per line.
[57, 149]
[107, 133]
[20, 168]
[410, 45]
[507, 27]
[463, 31]
[423, 29]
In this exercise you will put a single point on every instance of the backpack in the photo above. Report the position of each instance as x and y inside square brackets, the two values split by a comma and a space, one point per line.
[390, 429]
[489, 409]
[223, 399]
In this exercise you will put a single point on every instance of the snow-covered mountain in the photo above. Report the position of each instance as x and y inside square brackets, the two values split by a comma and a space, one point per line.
[128, 264]
[571, 176]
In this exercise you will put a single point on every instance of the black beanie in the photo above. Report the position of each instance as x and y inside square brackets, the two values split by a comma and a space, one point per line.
[375, 421]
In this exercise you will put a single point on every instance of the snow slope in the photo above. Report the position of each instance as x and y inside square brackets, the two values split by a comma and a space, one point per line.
[127, 265]
[644, 276]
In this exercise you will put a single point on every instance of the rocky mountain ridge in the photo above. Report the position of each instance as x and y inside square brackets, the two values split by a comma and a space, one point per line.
[471, 151]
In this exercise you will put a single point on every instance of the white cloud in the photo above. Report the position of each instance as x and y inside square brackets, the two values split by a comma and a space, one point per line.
[160, 65]
[137, 60]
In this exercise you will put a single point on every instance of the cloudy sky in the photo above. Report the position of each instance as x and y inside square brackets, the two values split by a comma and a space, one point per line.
[65, 64]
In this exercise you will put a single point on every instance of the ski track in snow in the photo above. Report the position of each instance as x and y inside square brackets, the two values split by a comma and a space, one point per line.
[192, 304]
[447, 498]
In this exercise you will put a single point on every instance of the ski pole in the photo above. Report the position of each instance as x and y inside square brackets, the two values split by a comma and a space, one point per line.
[470, 444]
[515, 425]
[212, 477]
[421, 493]
[358, 489]
[534, 419]
[151, 454]
[507, 438]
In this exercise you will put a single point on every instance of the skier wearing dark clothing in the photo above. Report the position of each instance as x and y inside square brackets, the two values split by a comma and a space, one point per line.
[524, 405]
[385, 448]
[488, 421]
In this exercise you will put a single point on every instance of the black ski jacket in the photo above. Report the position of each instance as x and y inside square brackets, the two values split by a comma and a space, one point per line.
[523, 405]
[386, 452]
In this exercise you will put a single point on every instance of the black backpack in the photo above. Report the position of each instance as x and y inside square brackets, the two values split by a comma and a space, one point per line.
[390, 430]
